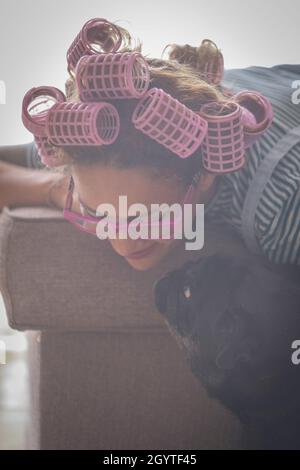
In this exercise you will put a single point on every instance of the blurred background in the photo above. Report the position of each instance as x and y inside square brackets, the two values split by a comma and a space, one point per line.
[34, 38]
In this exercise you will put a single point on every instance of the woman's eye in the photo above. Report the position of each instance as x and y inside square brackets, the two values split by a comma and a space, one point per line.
[187, 292]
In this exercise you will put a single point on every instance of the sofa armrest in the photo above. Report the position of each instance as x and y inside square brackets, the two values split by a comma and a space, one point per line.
[55, 277]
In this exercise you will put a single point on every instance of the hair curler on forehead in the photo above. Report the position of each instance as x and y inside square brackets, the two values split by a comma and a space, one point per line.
[97, 35]
[112, 76]
[55, 122]
[169, 122]
[35, 107]
[223, 145]
[82, 124]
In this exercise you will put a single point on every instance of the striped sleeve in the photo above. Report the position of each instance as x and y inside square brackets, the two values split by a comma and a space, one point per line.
[277, 217]
[277, 220]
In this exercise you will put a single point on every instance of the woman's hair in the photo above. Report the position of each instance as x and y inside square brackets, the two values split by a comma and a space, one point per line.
[183, 76]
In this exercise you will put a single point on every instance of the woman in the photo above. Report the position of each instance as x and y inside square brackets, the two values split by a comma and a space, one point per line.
[265, 211]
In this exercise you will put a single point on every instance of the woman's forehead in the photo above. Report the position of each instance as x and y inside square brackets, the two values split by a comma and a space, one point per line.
[99, 184]
[112, 181]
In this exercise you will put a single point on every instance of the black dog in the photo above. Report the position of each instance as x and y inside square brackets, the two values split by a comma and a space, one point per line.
[236, 320]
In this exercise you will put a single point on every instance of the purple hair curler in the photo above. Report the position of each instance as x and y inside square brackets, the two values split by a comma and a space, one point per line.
[35, 107]
[257, 114]
[169, 122]
[76, 123]
[97, 35]
[112, 76]
[223, 145]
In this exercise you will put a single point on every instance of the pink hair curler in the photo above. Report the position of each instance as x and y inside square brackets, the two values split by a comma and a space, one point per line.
[169, 122]
[97, 35]
[35, 107]
[223, 145]
[257, 114]
[76, 123]
[112, 76]
[36, 104]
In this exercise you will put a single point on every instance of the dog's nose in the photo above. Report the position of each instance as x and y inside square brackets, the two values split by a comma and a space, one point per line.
[161, 288]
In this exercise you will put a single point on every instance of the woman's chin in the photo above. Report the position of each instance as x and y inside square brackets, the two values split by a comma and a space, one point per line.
[141, 266]
[149, 261]
[145, 263]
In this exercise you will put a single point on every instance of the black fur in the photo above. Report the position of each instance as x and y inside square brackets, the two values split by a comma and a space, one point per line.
[236, 319]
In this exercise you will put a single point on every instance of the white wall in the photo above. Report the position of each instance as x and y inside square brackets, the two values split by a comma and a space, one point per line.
[35, 35]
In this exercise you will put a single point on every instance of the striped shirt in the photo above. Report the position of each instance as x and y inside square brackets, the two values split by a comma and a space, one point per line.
[277, 216]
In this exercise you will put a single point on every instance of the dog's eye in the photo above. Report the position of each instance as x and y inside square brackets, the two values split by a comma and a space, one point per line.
[187, 292]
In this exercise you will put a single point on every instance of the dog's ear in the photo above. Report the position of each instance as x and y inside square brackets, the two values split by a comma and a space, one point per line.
[167, 286]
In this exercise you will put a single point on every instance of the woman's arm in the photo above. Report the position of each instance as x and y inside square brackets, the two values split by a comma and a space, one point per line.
[29, 187]
[23, 154]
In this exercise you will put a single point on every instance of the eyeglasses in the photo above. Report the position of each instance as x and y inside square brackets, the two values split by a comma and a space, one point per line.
[88, 223]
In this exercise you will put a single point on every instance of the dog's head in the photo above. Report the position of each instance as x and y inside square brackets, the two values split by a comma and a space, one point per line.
[236, 318]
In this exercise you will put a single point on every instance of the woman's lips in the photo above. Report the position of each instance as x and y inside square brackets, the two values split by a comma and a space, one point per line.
[141, 253]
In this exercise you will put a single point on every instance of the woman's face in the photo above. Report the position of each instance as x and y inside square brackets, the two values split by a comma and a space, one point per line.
[96, 184]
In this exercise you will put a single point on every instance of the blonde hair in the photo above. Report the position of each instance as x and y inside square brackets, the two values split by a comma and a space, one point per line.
[184, 76]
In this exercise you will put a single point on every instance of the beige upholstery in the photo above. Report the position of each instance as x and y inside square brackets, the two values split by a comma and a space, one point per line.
[105, 372]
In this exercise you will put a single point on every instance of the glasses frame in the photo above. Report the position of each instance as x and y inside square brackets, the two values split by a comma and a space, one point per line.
[74, 217]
